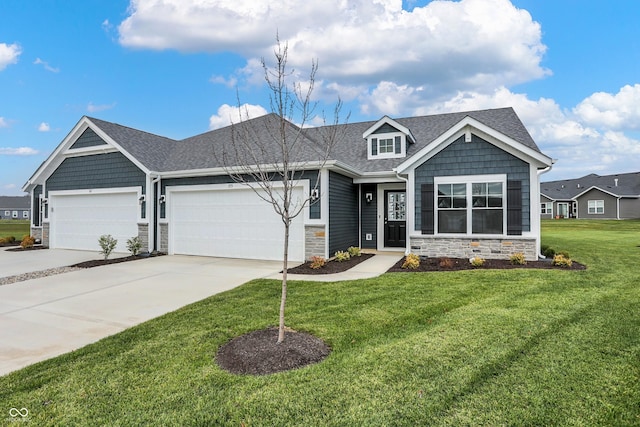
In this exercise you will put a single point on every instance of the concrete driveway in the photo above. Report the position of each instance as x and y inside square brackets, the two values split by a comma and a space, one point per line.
[46, 317]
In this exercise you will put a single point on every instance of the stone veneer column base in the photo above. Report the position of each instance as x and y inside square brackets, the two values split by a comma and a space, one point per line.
[36, 233]
[45, 234]
[432, 246]
[143, 234]
[314, 241]
[163, 244]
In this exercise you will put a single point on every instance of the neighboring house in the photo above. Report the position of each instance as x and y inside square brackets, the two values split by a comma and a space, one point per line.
[459, 184]
[15, 207]
[592, 197]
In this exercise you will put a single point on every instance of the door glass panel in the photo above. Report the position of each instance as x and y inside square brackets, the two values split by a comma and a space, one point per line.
[396, 206]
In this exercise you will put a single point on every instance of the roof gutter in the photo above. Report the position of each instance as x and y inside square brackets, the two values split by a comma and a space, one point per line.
[541, 172]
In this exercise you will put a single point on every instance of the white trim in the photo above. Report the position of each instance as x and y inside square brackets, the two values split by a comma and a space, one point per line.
[593, 187]
[389, 121]
[111, 190]
[90, 151]
[469, 180]
[387, 136]
[595, 207]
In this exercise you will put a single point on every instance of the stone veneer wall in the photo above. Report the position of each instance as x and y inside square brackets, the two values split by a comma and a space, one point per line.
[315, 241]
[36, 232]
[143, 234]
[163, 245]
[432, 246]
[45, 234]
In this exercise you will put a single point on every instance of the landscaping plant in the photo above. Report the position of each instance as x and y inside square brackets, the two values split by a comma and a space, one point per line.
[354, 251]
[317, 262]
[27, 242]
[411, 262]
[107, 244]
[446, 263]
[342, 256]
[517, 259]
[477, 261]
[134, 245]
[562, 261]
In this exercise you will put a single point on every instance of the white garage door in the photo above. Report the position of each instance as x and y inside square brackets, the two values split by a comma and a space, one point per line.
[78, 220]
[230, 222]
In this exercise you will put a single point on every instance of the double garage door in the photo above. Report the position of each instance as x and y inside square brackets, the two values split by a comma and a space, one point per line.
[78, 220]
[230, 221]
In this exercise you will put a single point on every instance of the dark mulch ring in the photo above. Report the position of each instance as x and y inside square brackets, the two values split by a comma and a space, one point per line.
[20, 249]
[330, 267]
[434, 264]
[258, 352]
[99, 262]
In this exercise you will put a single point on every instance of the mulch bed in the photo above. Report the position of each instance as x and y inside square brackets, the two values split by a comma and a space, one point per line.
[331, 266]
[20, 249]
[258, 352]
[99, 262]
[433, 264]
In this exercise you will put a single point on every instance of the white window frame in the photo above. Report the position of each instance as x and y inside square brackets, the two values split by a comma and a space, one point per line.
[469, 180]
[7, 214]
[14, 214]
[25, 214]
[546, 208]
[385, 136]
[595, 207]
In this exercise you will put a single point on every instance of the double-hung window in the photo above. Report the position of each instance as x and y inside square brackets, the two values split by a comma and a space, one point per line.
[546, 208]
[595, 207]
[471, 205]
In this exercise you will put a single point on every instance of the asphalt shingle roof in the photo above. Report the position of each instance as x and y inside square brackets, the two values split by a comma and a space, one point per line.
[15, 202]
[206, 150]
[628, 185]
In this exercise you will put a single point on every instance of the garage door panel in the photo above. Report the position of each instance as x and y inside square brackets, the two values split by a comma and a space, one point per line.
[77, 221]
[230, 223]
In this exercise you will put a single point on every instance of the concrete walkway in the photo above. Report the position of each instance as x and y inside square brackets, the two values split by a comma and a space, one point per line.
[14, 263]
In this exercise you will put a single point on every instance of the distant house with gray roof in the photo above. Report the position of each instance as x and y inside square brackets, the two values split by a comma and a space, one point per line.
[15, 207]
[592, 197]
[458, 185]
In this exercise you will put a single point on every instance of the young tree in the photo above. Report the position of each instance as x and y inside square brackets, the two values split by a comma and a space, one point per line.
[270, 155]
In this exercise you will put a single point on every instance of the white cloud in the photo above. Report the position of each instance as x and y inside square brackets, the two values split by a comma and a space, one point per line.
[93, 108]
[3, 122]
[9, 54]
[44, 127]
[228, 114]
[46, 65]
[20, 151]
[441, 47]
[619, 111]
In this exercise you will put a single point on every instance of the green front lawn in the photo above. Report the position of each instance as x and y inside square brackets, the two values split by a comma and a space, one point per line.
[17, 228]
[502, 347]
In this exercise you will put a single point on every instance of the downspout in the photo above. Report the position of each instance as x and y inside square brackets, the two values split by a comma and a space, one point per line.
[538, 240]
[407, 249]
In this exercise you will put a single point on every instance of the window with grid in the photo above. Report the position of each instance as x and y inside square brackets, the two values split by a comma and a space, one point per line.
[595, 207]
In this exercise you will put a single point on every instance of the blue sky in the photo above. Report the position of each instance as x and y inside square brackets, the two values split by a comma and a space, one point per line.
[570, 68]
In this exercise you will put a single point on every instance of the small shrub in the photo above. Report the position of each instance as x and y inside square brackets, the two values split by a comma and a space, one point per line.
[517, 259]
[342, 256]
[547, 251]
[354, 251]
[476, 261]
[7, 240]
[107, 244]
[562, 261]
[27, 242]
[563, 253]
[134, 245]
[446, 263]
[411, 262]
[317, 262]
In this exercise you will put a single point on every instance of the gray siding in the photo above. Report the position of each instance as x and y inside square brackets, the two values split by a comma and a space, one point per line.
[343, 213]
[386, 128]
[369, 217]
[88, 139]
[476, 158]
[109, 170]
[629, 208]
[314, 208]
[610, 205]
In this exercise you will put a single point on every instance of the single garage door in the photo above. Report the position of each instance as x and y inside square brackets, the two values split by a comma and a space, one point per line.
[78, 220]
[230, 222]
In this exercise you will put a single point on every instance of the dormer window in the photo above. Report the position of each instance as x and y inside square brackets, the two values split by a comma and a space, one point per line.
[387, 139]
[385, 146]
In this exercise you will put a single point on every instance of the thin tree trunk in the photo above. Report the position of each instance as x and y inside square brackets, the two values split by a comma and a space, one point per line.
[283, 298]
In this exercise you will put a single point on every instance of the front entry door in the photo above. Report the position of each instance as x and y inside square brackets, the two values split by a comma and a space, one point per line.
[395, 219]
